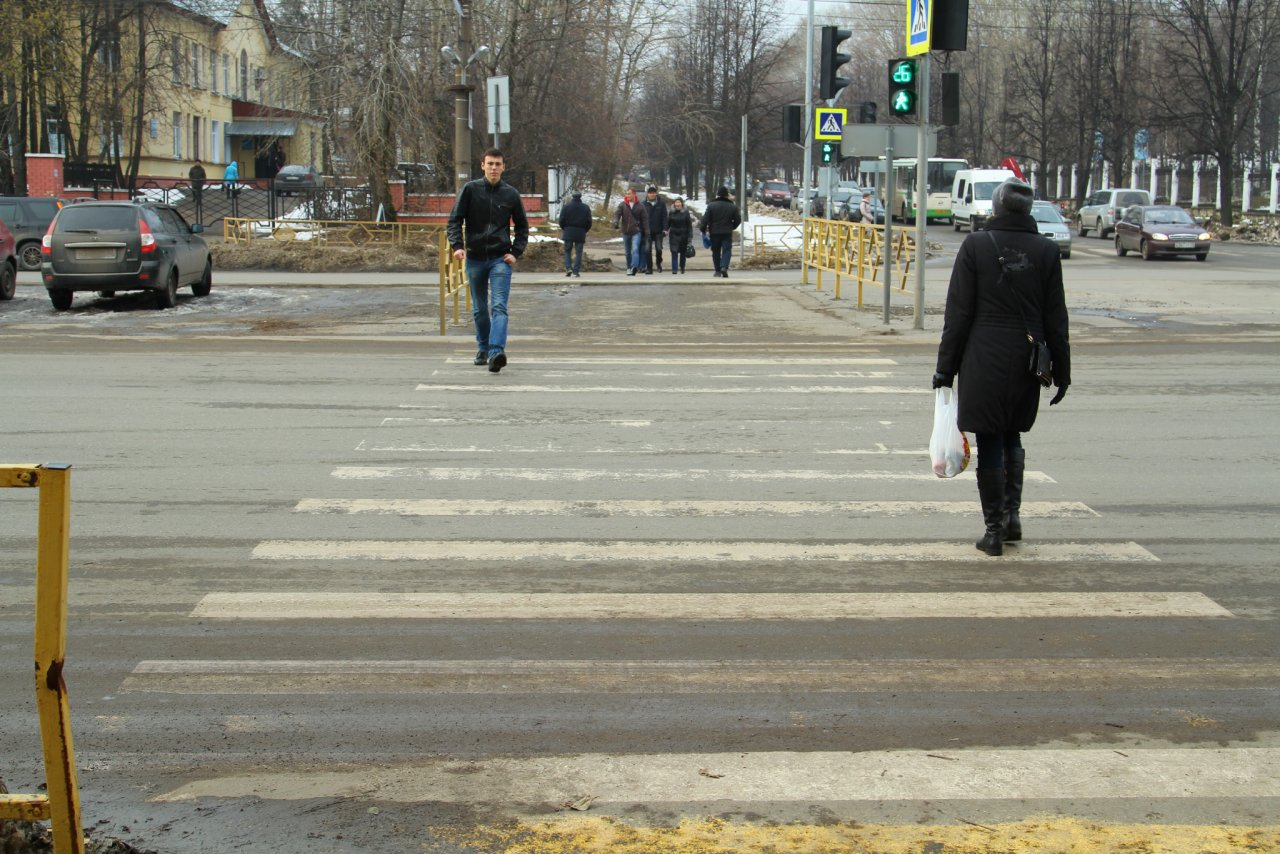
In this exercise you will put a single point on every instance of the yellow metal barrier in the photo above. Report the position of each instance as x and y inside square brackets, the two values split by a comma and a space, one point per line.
[453, 282]
[855, 250]
[322, 232]
[61, 806]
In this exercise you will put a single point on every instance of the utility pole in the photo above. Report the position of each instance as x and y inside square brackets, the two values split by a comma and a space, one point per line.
[461, 90]
[808, 118]
[922, 190]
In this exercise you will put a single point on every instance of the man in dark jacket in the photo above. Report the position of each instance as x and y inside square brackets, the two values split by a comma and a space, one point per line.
[575, 222]
[486, 209]
[656, 208]
[719, 220]
[631, 220]
[1006, 285]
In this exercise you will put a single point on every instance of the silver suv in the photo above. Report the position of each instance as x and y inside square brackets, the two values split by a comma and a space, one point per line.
[1101, 211]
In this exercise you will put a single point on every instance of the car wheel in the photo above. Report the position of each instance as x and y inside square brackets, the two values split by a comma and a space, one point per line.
[1066, 256]
[8, 281]
[202, 287]
[106, 294]
[1120, 250]
[1202, 256]
[167, 297]
[1080, 229]
[1147, 254]
[29, 256]
[61, 299]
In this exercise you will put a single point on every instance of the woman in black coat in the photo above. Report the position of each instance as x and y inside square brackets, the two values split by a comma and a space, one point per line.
[679, 232]
[984, 339]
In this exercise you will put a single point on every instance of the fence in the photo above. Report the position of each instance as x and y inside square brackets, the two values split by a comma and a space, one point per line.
[787, 235]
[855, 250]
[328, 232]
[453, 285]
[61, 803]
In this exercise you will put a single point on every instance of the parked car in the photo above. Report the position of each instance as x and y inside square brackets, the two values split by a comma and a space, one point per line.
[1051, 224]
[776, 193]
[28, 218]
[797, 202]
[1161, 230]
[293, 178]
[1101, 211]
[124, 246]
[8, 263]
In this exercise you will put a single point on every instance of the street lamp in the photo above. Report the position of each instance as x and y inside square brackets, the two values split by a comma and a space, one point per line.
[461, 90]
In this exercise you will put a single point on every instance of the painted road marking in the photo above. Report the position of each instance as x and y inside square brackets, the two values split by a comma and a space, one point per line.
[490, 388]
[481, 507]
[638, 475]
[699, 677]
[715, 446]
[267, 605]
[732, 361]
[781, 777]
[687, 551]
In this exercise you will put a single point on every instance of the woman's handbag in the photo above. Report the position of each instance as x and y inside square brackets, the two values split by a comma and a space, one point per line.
[948, 447]
[689, 251]
[1040, 364]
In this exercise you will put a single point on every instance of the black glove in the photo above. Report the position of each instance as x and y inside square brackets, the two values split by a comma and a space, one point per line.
[1057, 398]
[940, 380]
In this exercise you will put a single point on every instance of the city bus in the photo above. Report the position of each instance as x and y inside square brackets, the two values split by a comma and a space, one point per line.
[939, 178]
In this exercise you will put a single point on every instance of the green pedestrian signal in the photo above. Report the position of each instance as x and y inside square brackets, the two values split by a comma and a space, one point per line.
[830, 152]
[902, 86]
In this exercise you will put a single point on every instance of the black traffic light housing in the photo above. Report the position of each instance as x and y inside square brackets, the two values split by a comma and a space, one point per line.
[951, 98]
[903, 77]
[867, 113]
[793, 123]
[829, 84]
[830, 153]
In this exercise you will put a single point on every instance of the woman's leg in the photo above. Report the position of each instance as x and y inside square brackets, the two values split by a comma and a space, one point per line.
[991, 477]
[1015, 465]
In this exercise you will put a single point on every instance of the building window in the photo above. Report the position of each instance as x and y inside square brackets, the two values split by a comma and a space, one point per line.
[244, 75]
[195, 138]
[215, 142]
[213, 72]
[195, 65]
[176, 56]
[177, 136]
[226, 74]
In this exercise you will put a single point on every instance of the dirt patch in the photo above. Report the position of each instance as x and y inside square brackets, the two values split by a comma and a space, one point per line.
[544, 256]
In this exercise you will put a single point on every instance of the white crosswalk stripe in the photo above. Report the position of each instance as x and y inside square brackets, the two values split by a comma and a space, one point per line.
[587, 474]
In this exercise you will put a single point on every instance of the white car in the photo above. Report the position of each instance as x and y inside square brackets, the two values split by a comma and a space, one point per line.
[1101, 211]
[1051, 224]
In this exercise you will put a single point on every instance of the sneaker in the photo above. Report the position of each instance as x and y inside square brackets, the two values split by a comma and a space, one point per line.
[482, 358]
[577, 275]
[648, 271]
[568, 273]
[632, 272]
[497, 363]
[724, 274]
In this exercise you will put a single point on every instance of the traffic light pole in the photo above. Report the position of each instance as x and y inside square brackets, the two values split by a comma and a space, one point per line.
[922, 190]
[888, 219]
[807, 120]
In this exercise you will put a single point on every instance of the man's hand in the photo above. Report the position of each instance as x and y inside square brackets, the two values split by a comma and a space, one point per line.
[941, 380]
[460, 254]
[1057, 398]
[510, 259]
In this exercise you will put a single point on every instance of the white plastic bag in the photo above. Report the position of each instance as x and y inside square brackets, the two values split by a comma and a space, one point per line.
[948, 447]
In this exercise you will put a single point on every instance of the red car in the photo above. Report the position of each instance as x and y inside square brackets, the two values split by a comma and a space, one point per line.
[8, 263]
[776, 193]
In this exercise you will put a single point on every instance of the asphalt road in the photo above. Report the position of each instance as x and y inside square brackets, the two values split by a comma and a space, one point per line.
[682, 564]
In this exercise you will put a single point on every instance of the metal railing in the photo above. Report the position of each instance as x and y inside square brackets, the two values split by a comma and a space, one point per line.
[788, 235]
[453, 286]
[61, 804]
[328, 232]
[856, 251]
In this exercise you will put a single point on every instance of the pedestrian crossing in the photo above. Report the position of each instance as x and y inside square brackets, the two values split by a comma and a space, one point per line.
[563, 441]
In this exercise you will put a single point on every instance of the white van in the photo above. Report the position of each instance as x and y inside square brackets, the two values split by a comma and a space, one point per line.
[971, 195]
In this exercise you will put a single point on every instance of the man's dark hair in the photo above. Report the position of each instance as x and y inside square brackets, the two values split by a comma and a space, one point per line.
[494, 152]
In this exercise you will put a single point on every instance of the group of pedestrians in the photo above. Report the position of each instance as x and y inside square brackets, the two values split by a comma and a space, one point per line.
[646, 223]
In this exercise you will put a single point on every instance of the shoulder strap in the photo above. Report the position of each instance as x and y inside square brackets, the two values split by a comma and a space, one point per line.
[1016, 296]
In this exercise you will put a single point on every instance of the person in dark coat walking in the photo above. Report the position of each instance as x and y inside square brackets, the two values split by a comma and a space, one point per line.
[632, 220]
[719, 220]
[679, 232]
[1006, 283]
[575, 222]
[657, 210]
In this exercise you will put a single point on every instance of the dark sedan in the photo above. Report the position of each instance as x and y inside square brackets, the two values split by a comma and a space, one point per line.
[1160, 230]
[293, 178]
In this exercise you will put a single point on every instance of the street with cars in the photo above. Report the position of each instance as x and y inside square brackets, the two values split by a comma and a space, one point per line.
[334, 588]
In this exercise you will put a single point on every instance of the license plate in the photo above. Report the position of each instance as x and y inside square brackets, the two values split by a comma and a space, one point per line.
[1184, 244]
[105, 254]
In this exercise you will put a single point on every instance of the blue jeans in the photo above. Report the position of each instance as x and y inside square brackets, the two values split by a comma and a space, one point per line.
[571, 265]
[632, 243]
[721, 250]
[490, 288]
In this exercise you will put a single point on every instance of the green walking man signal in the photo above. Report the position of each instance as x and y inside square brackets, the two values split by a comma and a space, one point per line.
[830, 152]
[902, 86]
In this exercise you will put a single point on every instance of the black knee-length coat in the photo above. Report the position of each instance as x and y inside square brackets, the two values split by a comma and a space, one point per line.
[984, 334]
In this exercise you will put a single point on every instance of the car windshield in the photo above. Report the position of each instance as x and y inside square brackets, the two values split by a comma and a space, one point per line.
[984, 189]
[97, 218]
[1169, 216]
[775, 185]
[842, 195]
[1045, 213]
[1123, 200]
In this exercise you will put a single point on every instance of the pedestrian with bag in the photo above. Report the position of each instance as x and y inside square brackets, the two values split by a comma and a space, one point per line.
[658, 217]
[479, 232]
[680, 234]
[1005, 304]
[719, 220]
[633, 220]
[575, 222]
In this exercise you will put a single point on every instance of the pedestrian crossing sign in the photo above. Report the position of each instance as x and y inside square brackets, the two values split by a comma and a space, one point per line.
[829, 122]
[919, 26]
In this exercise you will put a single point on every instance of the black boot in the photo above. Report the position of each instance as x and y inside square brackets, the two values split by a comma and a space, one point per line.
[1015, 465]
[991, 494]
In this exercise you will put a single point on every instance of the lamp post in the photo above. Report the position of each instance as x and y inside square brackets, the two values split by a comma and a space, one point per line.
[461, 90]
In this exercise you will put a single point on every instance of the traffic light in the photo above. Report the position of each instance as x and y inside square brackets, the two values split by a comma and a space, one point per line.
[867, 113]
[830, 153]
[792, 123]
[951, 98]
[902, 86]
[829, 85]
